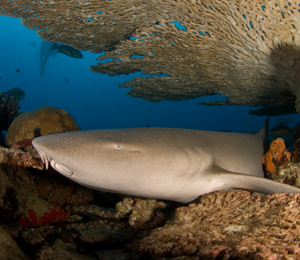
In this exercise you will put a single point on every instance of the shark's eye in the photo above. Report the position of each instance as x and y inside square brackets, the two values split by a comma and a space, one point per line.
[117, 146]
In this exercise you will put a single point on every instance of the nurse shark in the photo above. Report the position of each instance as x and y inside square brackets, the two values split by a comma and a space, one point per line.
[160, 163]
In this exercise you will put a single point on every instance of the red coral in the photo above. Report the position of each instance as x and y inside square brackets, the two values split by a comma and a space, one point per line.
[55, 214]
[25, 143]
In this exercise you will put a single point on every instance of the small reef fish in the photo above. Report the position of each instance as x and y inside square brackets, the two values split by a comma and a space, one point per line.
[67, 50]
[17, 93]
[280, 131]
[17, 70]
[160, 163]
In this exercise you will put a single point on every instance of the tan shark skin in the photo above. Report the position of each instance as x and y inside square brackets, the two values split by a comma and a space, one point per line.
[160, 163]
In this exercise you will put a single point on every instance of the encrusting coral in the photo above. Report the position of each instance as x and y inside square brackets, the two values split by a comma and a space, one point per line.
[42, 121]
[246, 50]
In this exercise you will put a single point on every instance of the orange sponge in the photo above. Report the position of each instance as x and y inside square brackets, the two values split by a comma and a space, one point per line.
[278, 155]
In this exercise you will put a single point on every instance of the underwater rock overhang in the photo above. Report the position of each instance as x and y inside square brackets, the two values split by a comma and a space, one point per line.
[246, 51]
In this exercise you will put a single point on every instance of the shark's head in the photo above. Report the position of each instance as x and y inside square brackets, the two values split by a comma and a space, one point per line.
[44, 146]
[47, 158]
[124, 161]
[87, 157]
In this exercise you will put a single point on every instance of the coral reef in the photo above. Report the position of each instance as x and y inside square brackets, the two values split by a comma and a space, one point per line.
[282, 165]
[8, 112]
[296, 151]
[229, 225]
[38, 212]
[42, 121]
[278, 156]
[9, 248]
[21, 158]
[247, 51]
[53, 215]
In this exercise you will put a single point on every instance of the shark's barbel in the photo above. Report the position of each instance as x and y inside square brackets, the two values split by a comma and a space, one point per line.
[160, 163]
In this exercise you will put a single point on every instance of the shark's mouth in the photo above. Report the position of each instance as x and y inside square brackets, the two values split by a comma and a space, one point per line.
[56, 166]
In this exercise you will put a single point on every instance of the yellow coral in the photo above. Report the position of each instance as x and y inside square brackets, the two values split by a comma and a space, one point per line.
[48, 120]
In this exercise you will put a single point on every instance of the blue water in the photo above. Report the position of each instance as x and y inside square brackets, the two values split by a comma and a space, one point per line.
[95, 100]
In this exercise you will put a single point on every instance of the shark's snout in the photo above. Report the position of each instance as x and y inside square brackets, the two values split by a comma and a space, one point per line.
[46, 159]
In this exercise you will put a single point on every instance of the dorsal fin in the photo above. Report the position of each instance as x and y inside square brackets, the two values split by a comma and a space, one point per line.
[264, 134]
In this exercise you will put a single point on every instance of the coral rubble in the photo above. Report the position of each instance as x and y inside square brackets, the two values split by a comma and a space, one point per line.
[247, 51]
[42, 121]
